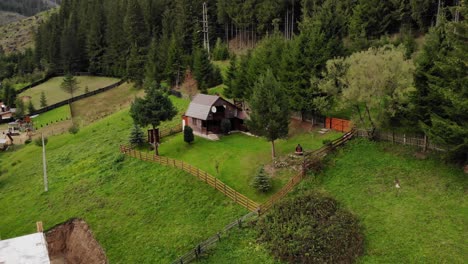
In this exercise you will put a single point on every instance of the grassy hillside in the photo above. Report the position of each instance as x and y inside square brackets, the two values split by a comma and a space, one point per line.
[425, 223]
[140, 212]
[19, 35]
[55, 94]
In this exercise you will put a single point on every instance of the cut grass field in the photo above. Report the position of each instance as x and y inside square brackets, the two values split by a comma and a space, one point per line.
[55, 94]
[426, 223]
[239, 157]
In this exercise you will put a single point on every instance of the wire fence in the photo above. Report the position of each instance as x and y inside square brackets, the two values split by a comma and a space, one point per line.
[420, 141]
[196, 252]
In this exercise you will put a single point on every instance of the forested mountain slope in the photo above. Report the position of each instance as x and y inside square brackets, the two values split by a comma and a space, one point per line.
[27, 7]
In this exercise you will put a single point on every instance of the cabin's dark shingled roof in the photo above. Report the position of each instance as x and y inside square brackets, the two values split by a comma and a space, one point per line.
[200, 106]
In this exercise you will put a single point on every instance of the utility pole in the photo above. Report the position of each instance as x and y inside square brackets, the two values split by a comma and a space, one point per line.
[206, 36]
[44, 165]
[457, 11]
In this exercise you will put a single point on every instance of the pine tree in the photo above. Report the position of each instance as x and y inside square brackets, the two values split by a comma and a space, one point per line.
[153, 109]
[95, 40]
[262, 182]
[188, 134]
[137, 137]
[202, 69]
[134, 66]
[69, 84]
[135, 26]
[270, 110]
[31, 108]
[20, 109]
[153, 67]
[230, 79]
[174, 64]
[43, 100]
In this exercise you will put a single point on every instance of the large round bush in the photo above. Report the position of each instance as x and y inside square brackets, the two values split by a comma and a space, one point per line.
[311, 228]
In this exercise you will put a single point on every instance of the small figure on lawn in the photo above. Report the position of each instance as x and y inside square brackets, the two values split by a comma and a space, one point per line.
[299, 150]
[397, 186]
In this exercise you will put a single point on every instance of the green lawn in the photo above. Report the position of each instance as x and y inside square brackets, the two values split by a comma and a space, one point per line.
[426, 223]
[55, 94]
[53, 116]
[140, 212]
[239, 157]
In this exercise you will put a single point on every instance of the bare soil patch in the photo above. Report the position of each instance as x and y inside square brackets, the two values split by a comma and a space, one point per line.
[73, 243]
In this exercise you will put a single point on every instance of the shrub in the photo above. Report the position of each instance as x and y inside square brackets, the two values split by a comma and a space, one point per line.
[74, 129]
[226, 126]
[38, 141]
[137, 137]
[262, 182]
[27, 141]
[188, 134]
[311, 228]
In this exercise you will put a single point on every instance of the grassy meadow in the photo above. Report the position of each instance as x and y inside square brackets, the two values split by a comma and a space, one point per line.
[140, 212]
[55, 94]
[424, 223]
[239, 156]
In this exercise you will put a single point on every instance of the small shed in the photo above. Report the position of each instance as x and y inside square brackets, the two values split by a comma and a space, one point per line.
[205, 113]
[30, 249]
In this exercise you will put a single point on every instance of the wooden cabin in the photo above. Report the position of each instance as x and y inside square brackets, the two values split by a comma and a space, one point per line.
[205, 113]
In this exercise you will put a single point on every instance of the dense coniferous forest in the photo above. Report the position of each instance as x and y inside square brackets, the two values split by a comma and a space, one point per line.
[301, 42]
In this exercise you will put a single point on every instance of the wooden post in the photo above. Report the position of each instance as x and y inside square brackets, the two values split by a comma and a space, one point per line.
[224, 189]
[39, 227]
[206, 177]
[215, 183]
[425, 143]
[404, 139]
[44, 165]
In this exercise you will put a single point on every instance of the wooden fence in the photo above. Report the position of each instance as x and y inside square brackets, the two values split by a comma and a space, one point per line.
[200, 174]
[309, 158]
[76, 98]
[203, 247]
[404, 139]
[337, 124]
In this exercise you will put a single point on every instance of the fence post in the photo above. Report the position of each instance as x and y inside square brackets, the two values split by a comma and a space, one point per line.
[239, 223]
[206, 177]
[404, 139]
[425, 143]
[215, 182]
[219, 236]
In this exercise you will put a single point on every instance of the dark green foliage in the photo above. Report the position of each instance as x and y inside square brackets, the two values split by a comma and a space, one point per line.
[188, 134]
[154, 65]
[74, 129]
[270, 110]
[7, 94]
[38, 141]
[204, 72]
[69, 84]
[230, 79]
[311, 228]
[43, 100]
[20, 108]
[137, 137]
[226, 126]
[31, 108]
[95, 45]
[153, 109]
[262, 181]
[441, 97]
[220, 51]
[135, 65]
